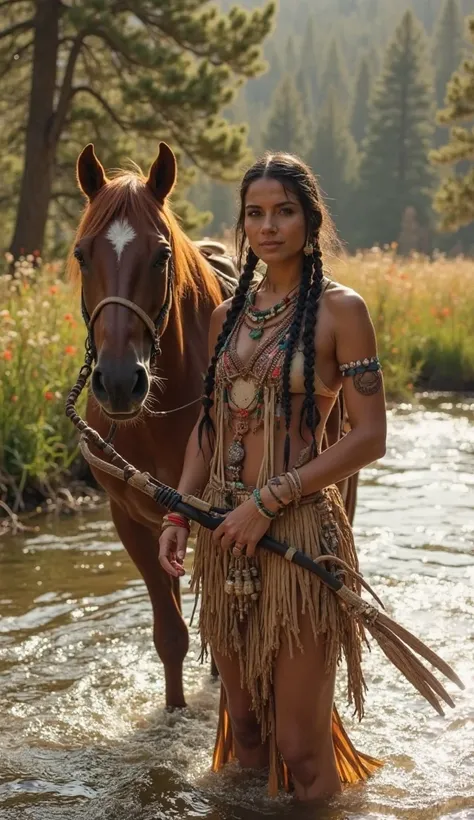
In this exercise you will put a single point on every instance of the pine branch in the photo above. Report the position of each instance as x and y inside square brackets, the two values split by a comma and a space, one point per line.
[16, 27]
[107, 108]
[66, 87]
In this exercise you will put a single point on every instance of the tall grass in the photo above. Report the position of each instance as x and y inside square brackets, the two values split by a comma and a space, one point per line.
[423, 314]
[41, 348]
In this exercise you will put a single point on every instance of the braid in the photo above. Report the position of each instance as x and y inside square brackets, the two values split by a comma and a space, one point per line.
[309, 407]
[233, 312]
[293, 339]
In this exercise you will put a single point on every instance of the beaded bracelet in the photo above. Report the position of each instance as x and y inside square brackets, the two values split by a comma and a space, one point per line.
[263, 510]
[295, 487]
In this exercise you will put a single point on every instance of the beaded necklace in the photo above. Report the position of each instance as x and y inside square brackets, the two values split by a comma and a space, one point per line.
[263, 369]
[259, 317]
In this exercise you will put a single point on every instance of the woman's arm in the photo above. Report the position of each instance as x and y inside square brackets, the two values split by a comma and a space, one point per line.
[365, 404]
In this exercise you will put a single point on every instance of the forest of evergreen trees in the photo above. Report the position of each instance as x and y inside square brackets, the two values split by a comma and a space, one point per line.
[354, 87]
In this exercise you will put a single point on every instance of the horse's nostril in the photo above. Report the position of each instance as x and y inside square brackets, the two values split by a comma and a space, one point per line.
[98, 387]
[140, 387]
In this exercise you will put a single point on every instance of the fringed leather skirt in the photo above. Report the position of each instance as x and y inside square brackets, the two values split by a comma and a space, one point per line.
[272, 594]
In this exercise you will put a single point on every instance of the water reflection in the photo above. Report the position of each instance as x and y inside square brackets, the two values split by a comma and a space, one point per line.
[83, 731]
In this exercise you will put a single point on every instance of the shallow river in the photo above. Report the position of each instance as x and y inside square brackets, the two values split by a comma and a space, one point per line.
[83, 733]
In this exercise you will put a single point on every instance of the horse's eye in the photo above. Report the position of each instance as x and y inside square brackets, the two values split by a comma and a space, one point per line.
[162, 257]
[79, 256]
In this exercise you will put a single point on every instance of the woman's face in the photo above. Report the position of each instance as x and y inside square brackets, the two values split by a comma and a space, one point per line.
[274, 221]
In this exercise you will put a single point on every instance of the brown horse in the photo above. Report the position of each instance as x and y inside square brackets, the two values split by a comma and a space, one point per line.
[142, 280]
[147, 289]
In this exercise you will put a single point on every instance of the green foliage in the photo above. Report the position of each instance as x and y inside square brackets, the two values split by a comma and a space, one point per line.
[360, 109]
[334, 158]
[129, 75]
[41, 350]
[395, 170]
[287, 125]
[455, 198]
[334, 79]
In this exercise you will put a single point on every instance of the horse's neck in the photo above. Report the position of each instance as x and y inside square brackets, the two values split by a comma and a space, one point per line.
[184, 353]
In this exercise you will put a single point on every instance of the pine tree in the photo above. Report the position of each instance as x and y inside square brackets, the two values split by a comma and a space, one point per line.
[360, 110]
[334, 159]
[287, 127]
[395, 171]
[307, 77]
[147, 69]
[334, 78]
[447, 53]
[455, 198]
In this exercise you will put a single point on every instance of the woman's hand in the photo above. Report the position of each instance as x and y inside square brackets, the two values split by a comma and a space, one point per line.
[242, 529]
[173, 542]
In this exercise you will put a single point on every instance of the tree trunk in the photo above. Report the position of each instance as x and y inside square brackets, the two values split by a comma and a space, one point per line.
[40, 148]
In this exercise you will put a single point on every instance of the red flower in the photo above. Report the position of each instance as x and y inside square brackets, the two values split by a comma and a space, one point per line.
[70, 350]
[7, 355]
[48, 395]
[14, 398]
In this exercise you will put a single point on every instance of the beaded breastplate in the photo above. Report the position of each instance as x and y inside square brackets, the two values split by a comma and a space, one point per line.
[245, 388]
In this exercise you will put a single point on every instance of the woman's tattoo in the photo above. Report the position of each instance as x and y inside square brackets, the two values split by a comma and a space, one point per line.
[368, 383]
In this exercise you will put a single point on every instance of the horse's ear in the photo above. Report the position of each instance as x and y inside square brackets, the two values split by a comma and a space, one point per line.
[90, 172]
[162, 175]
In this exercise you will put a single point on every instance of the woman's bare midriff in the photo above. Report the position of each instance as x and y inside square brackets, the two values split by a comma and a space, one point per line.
[254, 442]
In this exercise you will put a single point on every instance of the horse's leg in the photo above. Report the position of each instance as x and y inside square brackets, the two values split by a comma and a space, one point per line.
[170, 633]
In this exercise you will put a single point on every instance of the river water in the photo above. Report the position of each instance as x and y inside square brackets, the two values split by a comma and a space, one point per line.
[83, 733]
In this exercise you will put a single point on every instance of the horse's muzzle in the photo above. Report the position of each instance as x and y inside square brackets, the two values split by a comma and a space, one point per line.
[120, 387]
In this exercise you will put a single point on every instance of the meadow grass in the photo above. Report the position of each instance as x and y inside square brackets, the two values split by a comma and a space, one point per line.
[423, 312]
[41, 350]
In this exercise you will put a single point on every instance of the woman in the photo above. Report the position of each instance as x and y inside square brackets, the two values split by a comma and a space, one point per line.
[280, 352]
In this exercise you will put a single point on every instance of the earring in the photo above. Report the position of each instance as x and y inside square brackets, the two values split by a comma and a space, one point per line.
[308, 249]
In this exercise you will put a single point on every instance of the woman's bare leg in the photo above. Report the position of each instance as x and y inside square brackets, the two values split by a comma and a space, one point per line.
[249, 749]
[304, 694]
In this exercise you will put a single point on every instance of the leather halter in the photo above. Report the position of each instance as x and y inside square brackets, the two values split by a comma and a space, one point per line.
[154, 327]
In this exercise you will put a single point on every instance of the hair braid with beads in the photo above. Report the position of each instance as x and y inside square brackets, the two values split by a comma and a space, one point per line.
[309, 409]
[235, 308]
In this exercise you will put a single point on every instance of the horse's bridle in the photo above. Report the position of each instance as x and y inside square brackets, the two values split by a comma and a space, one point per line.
[154, 327]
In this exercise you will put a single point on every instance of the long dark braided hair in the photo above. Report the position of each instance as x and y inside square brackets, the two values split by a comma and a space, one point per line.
[294, 175]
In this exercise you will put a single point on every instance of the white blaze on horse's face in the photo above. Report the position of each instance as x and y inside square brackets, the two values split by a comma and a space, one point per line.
[120, 234]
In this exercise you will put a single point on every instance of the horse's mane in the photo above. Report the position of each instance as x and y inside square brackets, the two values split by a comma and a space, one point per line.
[127, 194]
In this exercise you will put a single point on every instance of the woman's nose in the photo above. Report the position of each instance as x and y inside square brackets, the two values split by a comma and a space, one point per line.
[268, 225]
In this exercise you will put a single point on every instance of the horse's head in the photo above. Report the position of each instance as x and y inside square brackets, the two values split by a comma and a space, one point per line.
[124, 250]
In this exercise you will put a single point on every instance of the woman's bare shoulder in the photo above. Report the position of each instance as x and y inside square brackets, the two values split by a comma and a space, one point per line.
[344, 303]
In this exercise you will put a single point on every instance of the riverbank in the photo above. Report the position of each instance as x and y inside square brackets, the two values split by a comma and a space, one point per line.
[423, 312]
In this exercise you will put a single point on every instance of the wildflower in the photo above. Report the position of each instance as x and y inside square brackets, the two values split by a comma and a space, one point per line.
[49, 396]
[14, 398]
[70, 350]
[30, 257]
[53, 289]
[9, 257]
[68, 317]
[446, 311]
[4, 313]
[7, 355]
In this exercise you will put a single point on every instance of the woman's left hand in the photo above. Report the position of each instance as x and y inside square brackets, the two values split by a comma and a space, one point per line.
[242, 529]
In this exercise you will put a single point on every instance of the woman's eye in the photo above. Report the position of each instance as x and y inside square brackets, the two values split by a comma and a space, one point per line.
[79, 256]
[287, 210]
[253, 213]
